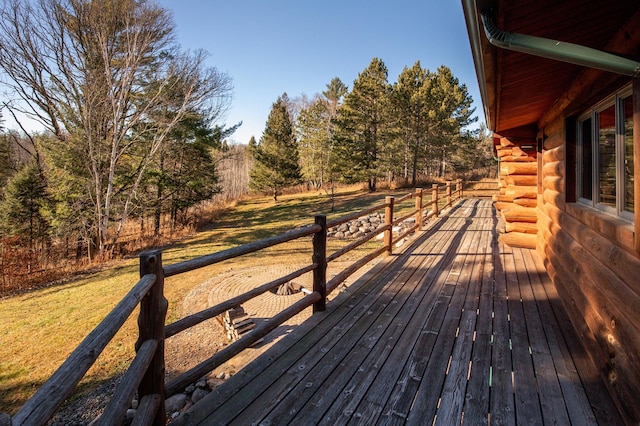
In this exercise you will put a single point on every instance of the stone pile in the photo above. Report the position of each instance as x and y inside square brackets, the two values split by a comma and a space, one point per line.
[365, 225]
[179, 402]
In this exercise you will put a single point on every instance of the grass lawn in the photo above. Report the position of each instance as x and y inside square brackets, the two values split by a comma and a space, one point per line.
[38, 330]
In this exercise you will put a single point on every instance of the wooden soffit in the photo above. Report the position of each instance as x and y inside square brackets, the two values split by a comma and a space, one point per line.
[519, 89]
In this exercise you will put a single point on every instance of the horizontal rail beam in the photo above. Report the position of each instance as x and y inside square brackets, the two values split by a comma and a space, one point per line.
[357, 243]
[235, 348]
[197, 318]
[41, 406]
[210, 259]
[348, 271]
[116, 410]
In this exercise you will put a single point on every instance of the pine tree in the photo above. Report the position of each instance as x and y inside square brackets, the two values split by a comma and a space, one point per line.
[363, 126]
[412, 105]
[24, 197]
[276, 155]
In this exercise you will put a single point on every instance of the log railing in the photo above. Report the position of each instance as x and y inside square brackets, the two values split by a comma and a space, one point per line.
[147, 371]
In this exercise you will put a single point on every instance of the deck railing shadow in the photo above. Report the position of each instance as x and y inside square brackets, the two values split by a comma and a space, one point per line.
[146, 374]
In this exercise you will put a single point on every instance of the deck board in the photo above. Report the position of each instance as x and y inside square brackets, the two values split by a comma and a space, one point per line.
[457, 328]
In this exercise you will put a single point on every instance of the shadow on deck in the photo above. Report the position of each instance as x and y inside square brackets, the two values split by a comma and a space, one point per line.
[457, 328]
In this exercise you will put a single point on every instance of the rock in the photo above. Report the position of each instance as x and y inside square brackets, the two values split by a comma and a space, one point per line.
[227, 376]
[198, 394]
[129, 415]
[134, 403]
[175, 403]
[189, 390]
[220, 376]
[201, 384]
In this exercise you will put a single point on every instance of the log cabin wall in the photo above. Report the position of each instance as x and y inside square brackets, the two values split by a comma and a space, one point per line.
[592, 259]
[518, 190]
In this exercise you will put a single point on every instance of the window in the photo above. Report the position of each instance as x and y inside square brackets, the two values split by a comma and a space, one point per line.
[605, 156]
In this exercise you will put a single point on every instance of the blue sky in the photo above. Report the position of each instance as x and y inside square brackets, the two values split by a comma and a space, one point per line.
[269, 47]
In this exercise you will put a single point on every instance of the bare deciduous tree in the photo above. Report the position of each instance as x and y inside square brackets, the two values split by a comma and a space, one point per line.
[108, 81]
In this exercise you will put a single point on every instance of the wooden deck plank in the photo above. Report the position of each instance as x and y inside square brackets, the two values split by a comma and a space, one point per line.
[502, 406]
[476, 404]
[457, 328]
[403, 396]
[552, 404]
[450, 410]
[524, 381]
[427, 398]
[574, 396]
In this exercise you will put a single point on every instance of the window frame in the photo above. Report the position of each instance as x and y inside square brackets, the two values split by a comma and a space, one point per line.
[593, 114]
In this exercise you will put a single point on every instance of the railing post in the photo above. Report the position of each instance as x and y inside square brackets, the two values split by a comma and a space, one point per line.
[153, 312]
[320, 258]
[448, 193]
[419, 208]
[388, 220]
[434, 199]
[459, 188]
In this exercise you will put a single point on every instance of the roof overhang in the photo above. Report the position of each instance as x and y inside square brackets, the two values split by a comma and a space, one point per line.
[518, 88]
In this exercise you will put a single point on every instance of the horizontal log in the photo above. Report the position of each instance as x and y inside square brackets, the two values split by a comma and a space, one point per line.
[511, 159]
[519, 152]
[555, 198]
[503, 152]
[501, 205]
[554, 183]
[614, 230]
[555, 154]
[504, 142]
[220, 357]
[615, 302]
[522, 191]
[515, 168]
[526, 202]
[521, 180]
[502, 198]
[521, 214]
[524, 227]
[210, 259]
[41, 406]
[625, 264]
[584, 318]
[518, 239]
[554, 168]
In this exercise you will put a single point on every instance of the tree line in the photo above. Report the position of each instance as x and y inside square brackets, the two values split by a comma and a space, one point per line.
[415, 128]
[133, 133]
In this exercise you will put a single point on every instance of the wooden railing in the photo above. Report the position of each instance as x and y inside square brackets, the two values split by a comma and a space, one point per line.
[147, 371]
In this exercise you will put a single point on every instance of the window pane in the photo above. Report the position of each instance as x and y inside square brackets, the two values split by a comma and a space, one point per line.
[607, 156]
[628, 154]
[586, 165]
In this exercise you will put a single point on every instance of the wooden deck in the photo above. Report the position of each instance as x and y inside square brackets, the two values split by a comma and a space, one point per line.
[455, 329]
